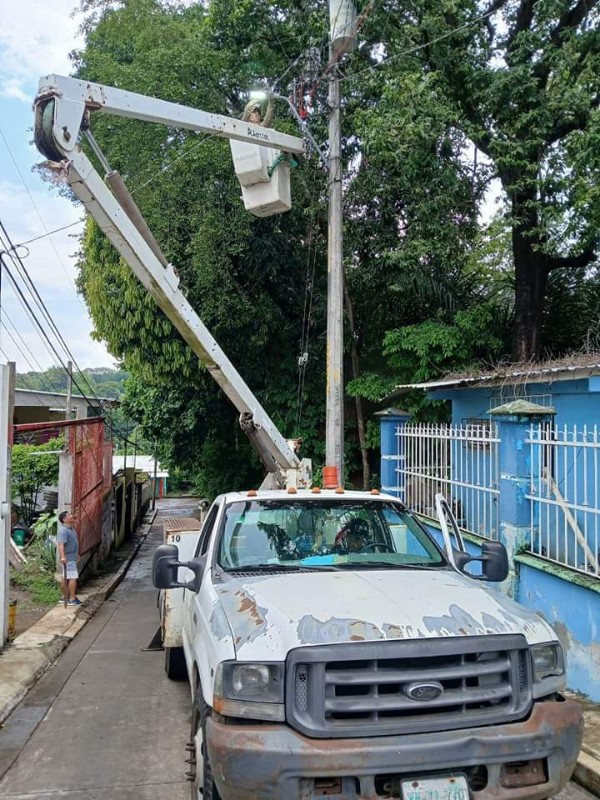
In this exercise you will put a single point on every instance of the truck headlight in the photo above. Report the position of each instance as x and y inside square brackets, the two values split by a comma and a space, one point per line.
[250, 690]
[548, 668]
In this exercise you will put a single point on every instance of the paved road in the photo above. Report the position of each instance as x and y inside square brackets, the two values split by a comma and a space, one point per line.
[105, 723]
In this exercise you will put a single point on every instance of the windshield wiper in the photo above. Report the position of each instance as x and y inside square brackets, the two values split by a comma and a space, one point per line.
[283, 567]
[385, 565]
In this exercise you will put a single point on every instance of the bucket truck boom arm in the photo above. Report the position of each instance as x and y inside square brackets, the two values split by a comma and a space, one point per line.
[61, 109]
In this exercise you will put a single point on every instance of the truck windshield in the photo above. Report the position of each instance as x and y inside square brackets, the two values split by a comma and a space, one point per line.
[320, 533]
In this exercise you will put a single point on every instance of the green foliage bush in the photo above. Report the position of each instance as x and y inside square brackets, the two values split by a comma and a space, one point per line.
[32, 470]
[38, 575]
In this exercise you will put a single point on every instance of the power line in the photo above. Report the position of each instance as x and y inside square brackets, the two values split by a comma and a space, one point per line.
[25, 277]
[40, 217]
[49, 233]
[418, 47]
[34, 318]
[23, 342]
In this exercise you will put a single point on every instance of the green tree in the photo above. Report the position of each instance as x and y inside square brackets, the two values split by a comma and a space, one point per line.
[31, 471]
[101, 382]
[245, 276]
[430, 89]
[521, 82]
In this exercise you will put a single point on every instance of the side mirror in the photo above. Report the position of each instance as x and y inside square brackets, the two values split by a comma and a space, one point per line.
[165, 566]
[165, 569]
[494, 562]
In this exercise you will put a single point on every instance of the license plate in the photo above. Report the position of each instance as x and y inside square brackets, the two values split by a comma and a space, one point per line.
[451, 787]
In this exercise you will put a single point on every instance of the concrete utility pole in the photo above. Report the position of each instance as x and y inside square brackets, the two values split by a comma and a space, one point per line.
[342, 15]
[334, 415]
[7, 394]
[69, 389]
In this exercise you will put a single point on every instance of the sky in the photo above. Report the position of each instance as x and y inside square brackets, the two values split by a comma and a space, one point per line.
[35, 40]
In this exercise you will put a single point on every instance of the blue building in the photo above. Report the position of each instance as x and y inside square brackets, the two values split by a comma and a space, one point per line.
[520, 463]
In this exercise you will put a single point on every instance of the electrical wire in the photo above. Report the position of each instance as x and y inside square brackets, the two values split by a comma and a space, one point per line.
[40, 217]
[29, 363]
[41, 327]
[25, 277]
[12, 249]
[23, 342]
[195, 147]
[306, 317]
[49, 233]
[28, 282]
[37, 323]
[418, 47]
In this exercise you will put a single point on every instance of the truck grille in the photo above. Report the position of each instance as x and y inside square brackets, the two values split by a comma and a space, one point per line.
[393, 687]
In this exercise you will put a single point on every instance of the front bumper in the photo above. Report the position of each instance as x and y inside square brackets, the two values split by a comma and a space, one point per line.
[274, 762]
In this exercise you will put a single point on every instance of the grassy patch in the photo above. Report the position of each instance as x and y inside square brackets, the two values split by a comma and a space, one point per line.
[42, 587]
[37, 577]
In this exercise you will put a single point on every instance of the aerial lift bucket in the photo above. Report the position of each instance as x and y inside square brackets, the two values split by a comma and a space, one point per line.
[264, 177]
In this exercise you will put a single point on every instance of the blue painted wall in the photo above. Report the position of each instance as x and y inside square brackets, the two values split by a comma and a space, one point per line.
[576, 402]
[573, 610]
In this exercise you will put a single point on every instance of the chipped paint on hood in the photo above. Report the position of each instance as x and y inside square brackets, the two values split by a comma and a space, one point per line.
[272, 614]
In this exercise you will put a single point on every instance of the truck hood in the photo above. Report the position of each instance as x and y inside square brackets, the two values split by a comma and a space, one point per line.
[271, 614]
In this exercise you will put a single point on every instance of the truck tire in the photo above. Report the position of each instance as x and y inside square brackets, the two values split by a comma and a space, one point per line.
[175, 663]
[200, 774]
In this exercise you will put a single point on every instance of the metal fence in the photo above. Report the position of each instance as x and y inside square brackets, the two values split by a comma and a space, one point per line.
[461, 462]
[92, 468]
[565, 496]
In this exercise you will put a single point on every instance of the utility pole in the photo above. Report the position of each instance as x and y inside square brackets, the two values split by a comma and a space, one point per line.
[334, 414]
[69, 389]
[7, 394]
[154, 479]
[342, 15]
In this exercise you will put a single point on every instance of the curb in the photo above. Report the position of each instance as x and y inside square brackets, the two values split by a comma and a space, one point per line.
[32, 653]
[587, 772]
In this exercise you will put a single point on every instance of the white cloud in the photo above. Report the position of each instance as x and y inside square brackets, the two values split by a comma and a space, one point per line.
[50, 264]
[29, 215]
[12, 89]
[35, 39]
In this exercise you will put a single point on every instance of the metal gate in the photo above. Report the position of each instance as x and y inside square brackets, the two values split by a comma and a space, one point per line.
[564, 492]
[92, 474]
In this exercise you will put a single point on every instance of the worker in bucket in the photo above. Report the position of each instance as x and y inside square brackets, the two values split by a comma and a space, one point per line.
[253, 113]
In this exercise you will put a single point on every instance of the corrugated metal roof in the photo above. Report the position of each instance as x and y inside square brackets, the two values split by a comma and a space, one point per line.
[141, 464]
[532, 374]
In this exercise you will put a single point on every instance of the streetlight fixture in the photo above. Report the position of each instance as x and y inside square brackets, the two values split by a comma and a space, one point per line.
[268, 95]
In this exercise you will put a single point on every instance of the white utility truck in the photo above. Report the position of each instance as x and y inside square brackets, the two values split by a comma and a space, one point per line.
[333, 648]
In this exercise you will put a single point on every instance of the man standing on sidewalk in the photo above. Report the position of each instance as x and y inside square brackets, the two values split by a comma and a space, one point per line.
[68, 551]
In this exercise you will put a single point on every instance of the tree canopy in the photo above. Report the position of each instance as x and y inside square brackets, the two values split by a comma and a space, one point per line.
[439, 100]
[102, 382]
[519, 80]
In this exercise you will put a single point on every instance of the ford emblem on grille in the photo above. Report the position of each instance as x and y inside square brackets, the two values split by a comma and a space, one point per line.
[424, 691]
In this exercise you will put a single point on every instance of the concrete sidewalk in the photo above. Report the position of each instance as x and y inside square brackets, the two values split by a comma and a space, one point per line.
[587, 772]
[34, 652]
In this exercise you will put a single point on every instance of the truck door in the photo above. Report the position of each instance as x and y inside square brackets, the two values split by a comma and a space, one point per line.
[198, 606]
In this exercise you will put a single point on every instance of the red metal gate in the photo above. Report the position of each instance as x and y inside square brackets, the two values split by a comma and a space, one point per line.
[92, 473]
[91, 460]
